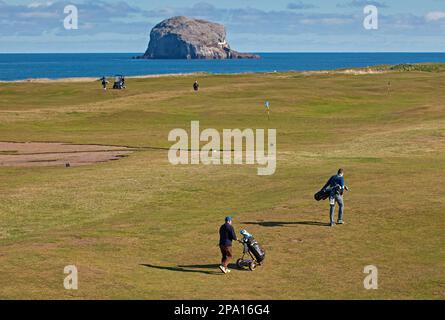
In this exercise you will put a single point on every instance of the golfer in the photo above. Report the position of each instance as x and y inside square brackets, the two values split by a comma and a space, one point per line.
[336, 185]
[196, 86]
[226, 236]
[104, 83]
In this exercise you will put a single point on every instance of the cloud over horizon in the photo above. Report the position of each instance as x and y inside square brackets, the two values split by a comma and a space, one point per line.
[362, 4]
[298, 26]
[300, 5]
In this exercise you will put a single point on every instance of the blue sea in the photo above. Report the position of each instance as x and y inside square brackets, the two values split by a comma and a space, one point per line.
[55, 66]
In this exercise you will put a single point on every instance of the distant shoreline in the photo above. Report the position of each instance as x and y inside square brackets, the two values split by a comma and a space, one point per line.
[41, 68]
[352, 71]
[93, 79]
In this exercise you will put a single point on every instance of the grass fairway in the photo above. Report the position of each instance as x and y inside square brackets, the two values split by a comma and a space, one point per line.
[143, 228]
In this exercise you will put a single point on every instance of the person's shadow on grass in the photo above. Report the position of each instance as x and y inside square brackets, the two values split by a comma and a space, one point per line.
[285, 223]
[189, 268]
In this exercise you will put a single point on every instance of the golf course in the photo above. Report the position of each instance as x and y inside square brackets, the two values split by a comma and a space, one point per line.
[138, 227]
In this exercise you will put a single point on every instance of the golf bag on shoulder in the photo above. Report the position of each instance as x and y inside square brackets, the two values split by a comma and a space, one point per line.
[323, 194]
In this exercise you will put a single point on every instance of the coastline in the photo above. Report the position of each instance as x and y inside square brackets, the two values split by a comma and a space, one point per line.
[369, 70]
[351, 71]
[93, 79]
[81, 68]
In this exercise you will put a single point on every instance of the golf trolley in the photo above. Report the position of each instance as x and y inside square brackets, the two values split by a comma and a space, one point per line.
[119, 82]
[253, 249]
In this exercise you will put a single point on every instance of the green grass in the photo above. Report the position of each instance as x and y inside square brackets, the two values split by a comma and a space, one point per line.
[427, 67]
[408, 67]
[143, 228]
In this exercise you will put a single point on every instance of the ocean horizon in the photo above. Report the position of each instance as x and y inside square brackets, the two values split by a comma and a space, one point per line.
[22, 66]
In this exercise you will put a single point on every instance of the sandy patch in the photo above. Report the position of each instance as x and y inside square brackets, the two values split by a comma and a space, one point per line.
[29, 154]
[347, 71]
[359, 72]
[92, 79]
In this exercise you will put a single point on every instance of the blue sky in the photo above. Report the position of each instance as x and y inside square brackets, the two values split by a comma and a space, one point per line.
[252, 25]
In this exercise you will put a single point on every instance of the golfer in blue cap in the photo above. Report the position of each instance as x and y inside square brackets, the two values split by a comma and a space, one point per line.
[226, 236]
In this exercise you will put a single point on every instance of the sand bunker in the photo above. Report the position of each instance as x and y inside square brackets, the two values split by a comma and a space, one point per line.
[31, 154]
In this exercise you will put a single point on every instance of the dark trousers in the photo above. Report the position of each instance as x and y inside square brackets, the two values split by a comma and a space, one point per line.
[226, 252]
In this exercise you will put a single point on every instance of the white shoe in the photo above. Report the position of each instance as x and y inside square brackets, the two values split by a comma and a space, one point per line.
[223, 269]
[227, 270]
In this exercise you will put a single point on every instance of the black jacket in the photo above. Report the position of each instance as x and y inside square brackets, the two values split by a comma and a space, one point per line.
[226, 235]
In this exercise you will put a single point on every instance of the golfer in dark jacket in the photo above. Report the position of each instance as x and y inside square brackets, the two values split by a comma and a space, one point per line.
[226, 236]
[104, 82]
[336, 185]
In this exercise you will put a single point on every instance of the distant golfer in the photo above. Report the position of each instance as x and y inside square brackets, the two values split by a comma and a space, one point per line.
[196, 86]
[336, 185]
[104, 83]
[226, 236]
[267, 106]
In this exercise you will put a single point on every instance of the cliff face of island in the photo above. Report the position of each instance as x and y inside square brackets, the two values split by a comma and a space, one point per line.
[187, 38]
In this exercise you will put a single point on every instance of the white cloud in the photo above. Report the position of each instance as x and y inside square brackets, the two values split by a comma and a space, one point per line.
[362, 3]
[327, 21]
[300, 5]
[43, 15]
[434, 16]
[284, 29]
[40, 4]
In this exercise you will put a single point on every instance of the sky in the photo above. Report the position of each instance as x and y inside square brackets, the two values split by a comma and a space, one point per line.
[30, 26]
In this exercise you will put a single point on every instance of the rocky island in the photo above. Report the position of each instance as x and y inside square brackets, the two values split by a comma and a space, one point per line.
[187, 38]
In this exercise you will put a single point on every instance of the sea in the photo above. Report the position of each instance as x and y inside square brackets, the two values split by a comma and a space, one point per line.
[57, 65]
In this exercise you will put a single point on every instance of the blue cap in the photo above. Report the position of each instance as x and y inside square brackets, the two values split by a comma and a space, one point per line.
[228, 219]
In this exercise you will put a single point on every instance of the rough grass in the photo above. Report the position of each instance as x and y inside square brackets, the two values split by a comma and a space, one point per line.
[427, 67]
[142, 228]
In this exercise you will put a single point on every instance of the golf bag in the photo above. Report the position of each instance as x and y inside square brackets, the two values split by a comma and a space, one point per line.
[255, 249]
[323, 194]
[251, 248]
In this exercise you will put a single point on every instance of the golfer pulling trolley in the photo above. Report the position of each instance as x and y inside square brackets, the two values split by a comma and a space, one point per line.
[226, 236]
[251, 248]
